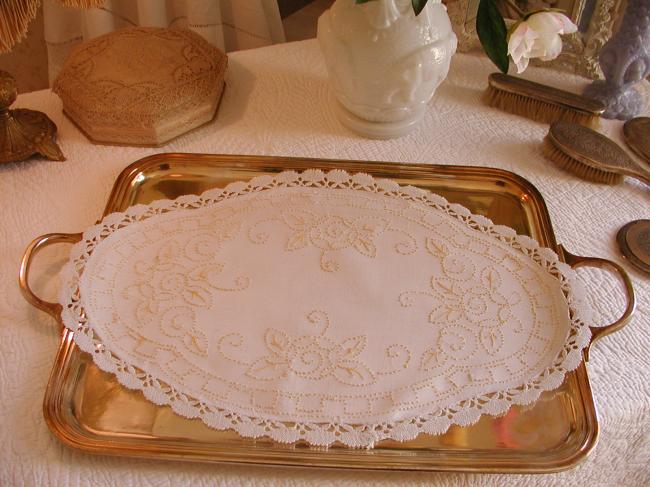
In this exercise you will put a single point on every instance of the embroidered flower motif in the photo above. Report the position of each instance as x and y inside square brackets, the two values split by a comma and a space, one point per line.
[331, 233]
[464, 301]
[457, 302]
[469, 307]
[454, 342]
[175, 323]
[335, 233]
[312, 357]
[186, 272]
[181, 278]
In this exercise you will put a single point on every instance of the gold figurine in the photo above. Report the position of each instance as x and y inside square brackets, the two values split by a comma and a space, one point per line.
[23, 132]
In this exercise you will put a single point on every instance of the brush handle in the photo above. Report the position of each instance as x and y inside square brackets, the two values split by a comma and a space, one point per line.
[639, 174]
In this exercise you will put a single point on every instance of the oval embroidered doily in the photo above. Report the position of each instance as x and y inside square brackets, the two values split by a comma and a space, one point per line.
[323, 307]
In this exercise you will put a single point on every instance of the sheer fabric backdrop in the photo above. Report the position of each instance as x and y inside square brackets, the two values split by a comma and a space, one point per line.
[228, 24]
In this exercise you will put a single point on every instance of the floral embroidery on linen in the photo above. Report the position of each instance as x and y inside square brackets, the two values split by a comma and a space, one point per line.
[469, 308]
[314, 357]
[331, 233]
[179, 279]
[398, 357]
[309, 356]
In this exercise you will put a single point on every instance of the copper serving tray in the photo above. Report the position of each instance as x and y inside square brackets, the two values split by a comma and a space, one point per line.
[89, 410]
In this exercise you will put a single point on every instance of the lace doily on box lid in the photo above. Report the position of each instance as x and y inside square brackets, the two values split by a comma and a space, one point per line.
[323, 307]
[142, 85]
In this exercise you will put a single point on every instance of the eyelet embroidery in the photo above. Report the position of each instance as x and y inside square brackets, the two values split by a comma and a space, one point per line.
[179, 279]
[469, 314]
[314, 356]
[331, 233]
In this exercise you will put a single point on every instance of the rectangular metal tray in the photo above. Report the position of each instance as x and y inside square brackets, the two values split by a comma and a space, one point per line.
[89, 410]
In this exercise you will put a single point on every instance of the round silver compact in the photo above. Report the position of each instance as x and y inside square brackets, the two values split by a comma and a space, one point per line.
[634, 242]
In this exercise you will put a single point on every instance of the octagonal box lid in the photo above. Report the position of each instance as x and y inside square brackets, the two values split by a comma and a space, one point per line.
[142, 86]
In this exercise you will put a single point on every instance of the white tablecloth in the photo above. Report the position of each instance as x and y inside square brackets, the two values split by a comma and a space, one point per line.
[277, 103]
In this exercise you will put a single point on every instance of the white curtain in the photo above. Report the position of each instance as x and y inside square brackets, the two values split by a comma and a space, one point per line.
[228, 24]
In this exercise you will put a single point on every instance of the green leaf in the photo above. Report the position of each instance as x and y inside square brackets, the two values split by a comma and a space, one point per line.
[492, 32]
[418, 5]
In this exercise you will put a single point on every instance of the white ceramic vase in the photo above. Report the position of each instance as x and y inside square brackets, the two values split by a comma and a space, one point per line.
[384, 62]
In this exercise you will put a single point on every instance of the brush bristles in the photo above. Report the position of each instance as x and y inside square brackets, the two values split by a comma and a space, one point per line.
[534, 109]
[572, 165]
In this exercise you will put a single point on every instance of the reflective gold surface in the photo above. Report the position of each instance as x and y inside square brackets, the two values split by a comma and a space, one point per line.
[33, 248]
[87, 408]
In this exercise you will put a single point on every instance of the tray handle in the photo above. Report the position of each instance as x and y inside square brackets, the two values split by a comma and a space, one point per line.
[53, 309]
[597, 332]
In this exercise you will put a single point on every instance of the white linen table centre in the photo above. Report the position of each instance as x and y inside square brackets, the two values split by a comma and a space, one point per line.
[327, 307]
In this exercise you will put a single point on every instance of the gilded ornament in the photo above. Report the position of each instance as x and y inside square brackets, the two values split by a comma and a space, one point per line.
[23, 132]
